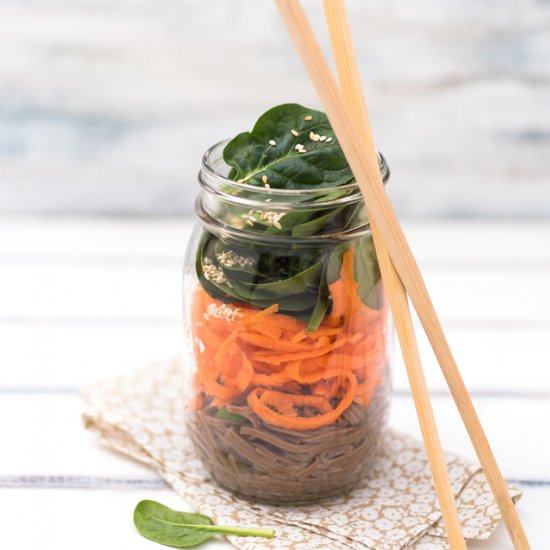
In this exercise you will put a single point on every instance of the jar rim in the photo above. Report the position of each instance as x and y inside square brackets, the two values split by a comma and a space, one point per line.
[210, 169]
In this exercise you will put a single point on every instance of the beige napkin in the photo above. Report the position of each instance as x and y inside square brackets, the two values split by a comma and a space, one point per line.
[142, 415]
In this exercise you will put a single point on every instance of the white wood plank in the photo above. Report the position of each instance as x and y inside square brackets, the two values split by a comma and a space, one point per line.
[490, 359]
[84, 292]
[42, 355]
[61, 517]
[68, 355]
[100, 240]
[478, 295]
[84, 519]
[44, 435]
[129, 269]
[516, 428]
[510, 242]
[93, 240]
[534, 509]
[56, 443]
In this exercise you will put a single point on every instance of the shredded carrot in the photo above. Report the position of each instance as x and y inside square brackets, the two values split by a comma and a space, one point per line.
[323, 341]
[245, 374]
[209, 337]
[224, 393]
[270, 343]
[285, 357]
[261, 408]
[261, 314]
[366, 389]
[323, 374]
[196, 403]
[324, 331]
[286, 322]
[299, 336]
[286, 403]
[291, 377]
[271, 380]
[267, 329]
[340, 303]
[221, 355]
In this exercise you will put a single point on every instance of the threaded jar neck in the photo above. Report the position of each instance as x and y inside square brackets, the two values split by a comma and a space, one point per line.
[257, 212]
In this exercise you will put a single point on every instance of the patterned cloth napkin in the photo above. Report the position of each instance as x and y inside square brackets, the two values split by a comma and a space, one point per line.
[142, 415]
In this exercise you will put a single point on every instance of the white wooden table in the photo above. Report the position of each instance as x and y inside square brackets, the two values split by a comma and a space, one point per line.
[82, 300]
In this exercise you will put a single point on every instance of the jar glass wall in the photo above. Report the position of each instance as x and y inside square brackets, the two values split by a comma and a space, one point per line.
[288, 338]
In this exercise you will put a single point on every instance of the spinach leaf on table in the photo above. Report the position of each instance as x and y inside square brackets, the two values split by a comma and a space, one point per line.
[161, 524]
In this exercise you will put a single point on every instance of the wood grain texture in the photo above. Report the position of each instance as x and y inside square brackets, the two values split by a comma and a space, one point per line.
[67, 307]
[352, 92]
[112, 509]
[382, 214]
[503, 349]
[64, 356]
[108, 108]
[52, 423]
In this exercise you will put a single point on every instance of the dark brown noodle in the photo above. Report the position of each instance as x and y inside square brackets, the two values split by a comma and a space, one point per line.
[280, 466]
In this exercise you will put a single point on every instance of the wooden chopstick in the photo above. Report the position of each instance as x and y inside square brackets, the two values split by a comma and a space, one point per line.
[381, 212]
[352, 91]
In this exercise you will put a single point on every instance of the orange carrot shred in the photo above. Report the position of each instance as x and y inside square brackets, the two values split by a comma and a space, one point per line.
[261, 314]
[285, 357]
[292, 378]
[261, 409]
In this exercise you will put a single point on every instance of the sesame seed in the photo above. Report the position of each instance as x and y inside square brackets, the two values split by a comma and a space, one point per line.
[322, 138]
[308, 117]
[264, 178]
[229, 259]
[223, 312]
[329, 139]
[213, 273]
[294, 133]
[267, 200]
[267, 186]
[248, 222]
[272, 142]
[314, 137]
[277, 224]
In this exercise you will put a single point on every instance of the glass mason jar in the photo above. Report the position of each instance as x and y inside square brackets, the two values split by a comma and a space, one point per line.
[288, 337]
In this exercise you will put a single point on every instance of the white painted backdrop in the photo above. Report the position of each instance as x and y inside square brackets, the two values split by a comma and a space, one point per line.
[106, 107]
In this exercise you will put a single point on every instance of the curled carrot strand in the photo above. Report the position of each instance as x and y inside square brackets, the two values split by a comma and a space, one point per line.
[291, 377]
[261, 408]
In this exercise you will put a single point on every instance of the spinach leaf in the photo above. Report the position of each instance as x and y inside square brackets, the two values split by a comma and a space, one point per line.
[226, 415]
[284, 270]
[334, 263]
[367, 273]
[270, 150]
[314, 226]
[161, 524]
[321, 306]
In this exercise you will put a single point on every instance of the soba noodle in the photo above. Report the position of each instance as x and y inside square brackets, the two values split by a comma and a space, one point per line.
[269, 464]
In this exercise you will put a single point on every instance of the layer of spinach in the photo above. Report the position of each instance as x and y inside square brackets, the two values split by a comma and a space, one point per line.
[295, 276]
